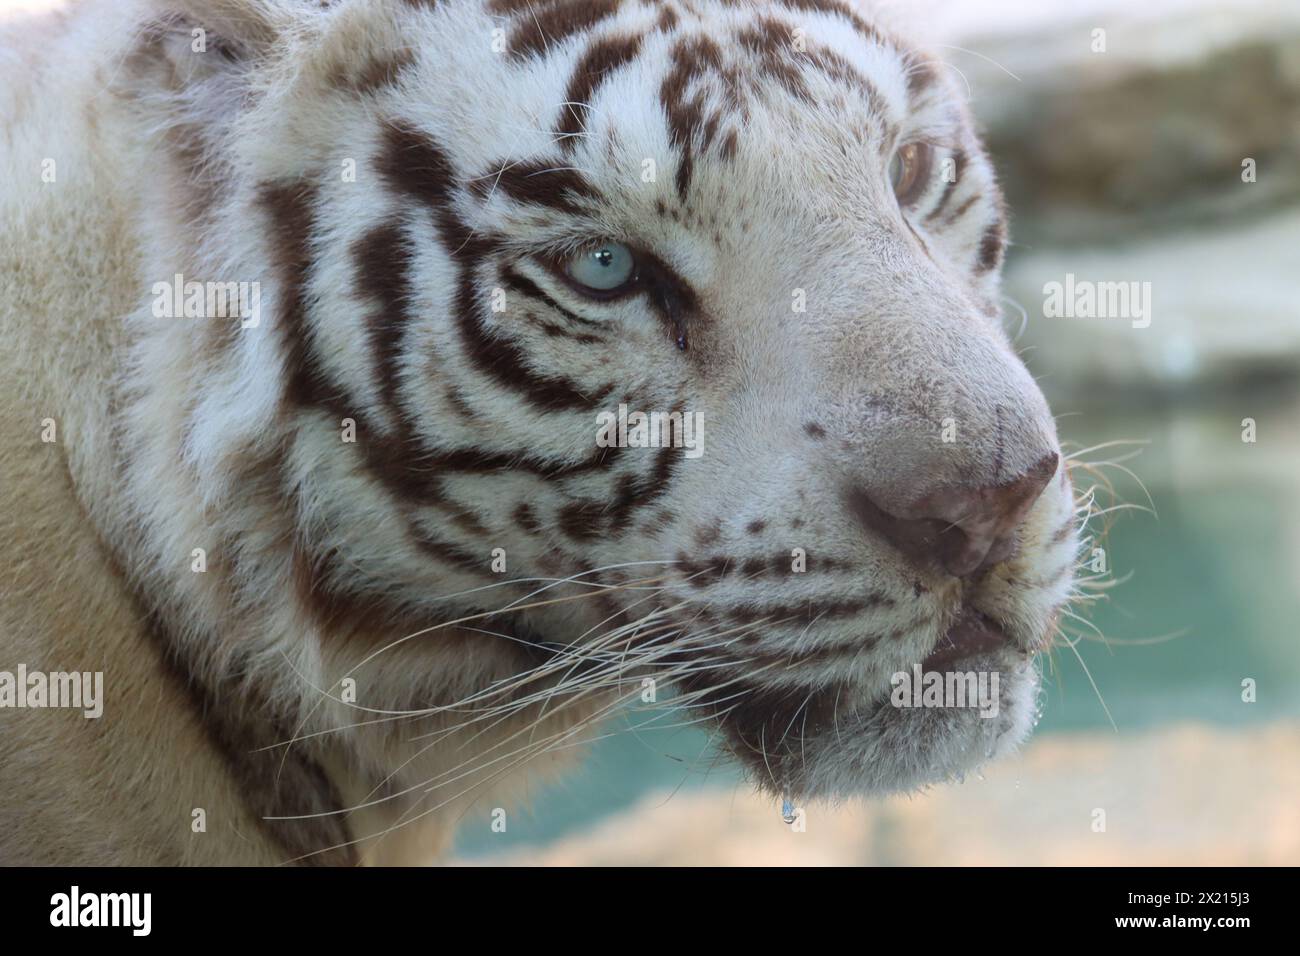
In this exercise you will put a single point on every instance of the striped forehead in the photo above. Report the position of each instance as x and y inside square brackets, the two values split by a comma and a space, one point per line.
[603, 85]
[571, 64]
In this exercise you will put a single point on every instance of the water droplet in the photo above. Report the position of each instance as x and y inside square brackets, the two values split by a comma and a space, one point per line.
[787, 810]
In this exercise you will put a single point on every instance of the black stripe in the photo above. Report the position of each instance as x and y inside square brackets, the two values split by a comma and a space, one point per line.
[383, 261]
[962, 209]
[450, 553]
[959, 161]
[691, 57]
[545, 24]
[537, 183]
[241, 722]
[526, 286]
[991, 245]
[602, 58]
[808, 611]
[502, 360]
[289, 207]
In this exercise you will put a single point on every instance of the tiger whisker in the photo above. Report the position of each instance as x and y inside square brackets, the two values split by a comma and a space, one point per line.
[322, 695]
[987, 59]
[1077, 456]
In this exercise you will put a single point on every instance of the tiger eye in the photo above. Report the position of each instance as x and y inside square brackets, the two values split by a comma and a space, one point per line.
[907, 170]
[603, 269]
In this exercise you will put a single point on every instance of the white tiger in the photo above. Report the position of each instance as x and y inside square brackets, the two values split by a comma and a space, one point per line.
[347, 550]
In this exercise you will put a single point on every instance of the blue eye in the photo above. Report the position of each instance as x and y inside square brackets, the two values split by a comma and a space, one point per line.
[603, 269]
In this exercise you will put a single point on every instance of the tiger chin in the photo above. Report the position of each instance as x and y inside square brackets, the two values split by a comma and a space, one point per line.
[311, 312]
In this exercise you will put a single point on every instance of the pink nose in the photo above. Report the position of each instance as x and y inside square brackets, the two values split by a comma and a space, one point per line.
[961, 529]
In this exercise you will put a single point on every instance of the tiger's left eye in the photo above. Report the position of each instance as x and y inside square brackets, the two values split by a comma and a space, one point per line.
[909, 170]
[602, 270]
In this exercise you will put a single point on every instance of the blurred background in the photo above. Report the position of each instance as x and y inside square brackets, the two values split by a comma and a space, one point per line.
[1120, 164]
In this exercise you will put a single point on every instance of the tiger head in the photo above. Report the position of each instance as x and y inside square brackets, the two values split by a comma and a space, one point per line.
[655, 343]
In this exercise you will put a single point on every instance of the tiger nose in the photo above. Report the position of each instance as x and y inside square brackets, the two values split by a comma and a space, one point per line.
[961, 529]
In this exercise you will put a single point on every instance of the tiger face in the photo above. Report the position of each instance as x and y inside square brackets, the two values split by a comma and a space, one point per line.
[481, 227]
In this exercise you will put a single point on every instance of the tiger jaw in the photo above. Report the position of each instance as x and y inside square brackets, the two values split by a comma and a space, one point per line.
[882, 749]
[827, 748]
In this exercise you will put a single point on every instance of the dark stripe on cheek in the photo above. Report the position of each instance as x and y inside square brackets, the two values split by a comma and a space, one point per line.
[639, 492]
[959, 163]
[634, 492]
[551, 330]
[601, 59]
[991, 245]
[586, 520]
[526, 518]
[449, 553]
[503, 360]
[474, 460]
[583, 520]
[961, 210]
[383, 259]
[527, 287]
[289, 208]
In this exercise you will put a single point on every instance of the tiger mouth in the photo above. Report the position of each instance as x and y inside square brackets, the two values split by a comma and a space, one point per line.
[972, 633]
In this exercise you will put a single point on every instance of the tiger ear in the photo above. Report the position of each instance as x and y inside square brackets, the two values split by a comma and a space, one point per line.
[193, 54]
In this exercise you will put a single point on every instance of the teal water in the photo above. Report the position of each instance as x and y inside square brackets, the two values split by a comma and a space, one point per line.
[1218, 566]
